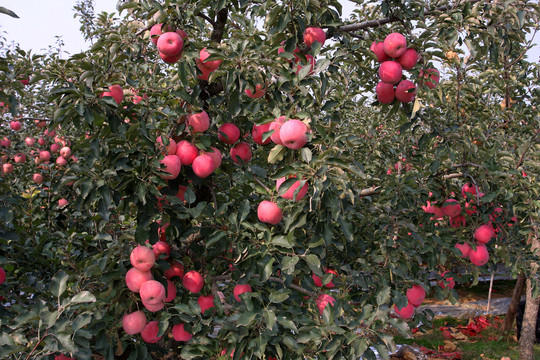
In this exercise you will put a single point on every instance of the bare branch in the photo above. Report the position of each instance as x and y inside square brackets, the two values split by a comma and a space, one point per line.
[370, 191]
[205, 17]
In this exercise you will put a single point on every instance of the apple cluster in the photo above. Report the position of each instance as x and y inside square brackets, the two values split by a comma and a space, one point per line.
[310, 36]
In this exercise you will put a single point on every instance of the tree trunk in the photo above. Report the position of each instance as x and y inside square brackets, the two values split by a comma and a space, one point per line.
[528, 329]
[514, 303]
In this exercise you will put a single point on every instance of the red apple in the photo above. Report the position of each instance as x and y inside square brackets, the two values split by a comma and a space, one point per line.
[240, 289]
[464, 248]
[409, 59]
[205, 73]
[135, 278]
[37, 178]
[259, 92]
[203, 165]
[276, 126]
[289, 194]
[268, 212]
[483, 234]
[150, 332]
[405, 91]
[142, 258]
[480, 256]
[199, 122]
[378, 50]
[446, 282]
[29, 141]
[216, 156]
[170, 44]
[457, 221]
[469, 188]
[186, 152]
[170, 59]
[205, 302]
[19, 158]
[193, 281]
[385, 92]
[171, 147]
[44, 155]
[257, 132]
[5, 142]
[181, 192]
[210, 65]
[395, 45]
[152, 292]
[323, 300]
[134, 323]
[405, 312]
[312, 34]
[451, 208]
[416, 295]
[116, 92]
[241, 150]
[429, 74]
[60, 161]
[179, 334]
[155, 33]
[41, 141]
[154, 307]
[228, 133]
[176, 270]
[390, 72]
[171, 291]
[62, 203]
[172, 166]
[7, 168]
[15, 125]
[293, 134]
[55, 148]
[161, 247]
[318, 280]
[301, 63]
[2, 275]
[65, 152]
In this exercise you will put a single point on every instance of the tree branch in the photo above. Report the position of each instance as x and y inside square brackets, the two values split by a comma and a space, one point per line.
[205, 17]
[219, 25]
[370, 191]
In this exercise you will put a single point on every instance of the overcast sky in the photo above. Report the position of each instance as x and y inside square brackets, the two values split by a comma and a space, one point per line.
[42, 20]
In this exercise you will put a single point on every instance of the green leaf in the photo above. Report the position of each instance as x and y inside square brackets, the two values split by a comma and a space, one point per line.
[246, 319]
[279, 296]
[276, 154]
[58, 283]
[282, 241]
[383, 296]
[269, 317]
[489, 197]
[314, 263]
[244, 210]
[306, 154]
[83, 297]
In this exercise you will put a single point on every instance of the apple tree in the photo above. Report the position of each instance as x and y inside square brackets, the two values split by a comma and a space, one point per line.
[238, 186]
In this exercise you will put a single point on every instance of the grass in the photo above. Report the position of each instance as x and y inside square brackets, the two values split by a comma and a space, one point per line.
[487, 346]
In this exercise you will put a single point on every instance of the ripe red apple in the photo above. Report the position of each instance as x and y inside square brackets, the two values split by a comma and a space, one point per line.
[44, 155]
[257, 133]
[170, 59]
[65, 152]
[409, 59]
[181, 192]
[395, 45]
[318, 280]
[464, 248]
[416, 295]
[203, 165]
[241, 150]
[405, 91]
[19, 158]
[161, 247]
[170, 44]
[170, 149]
[116, 92]
[155, 33]
[312, 34]
[289, 194]
[154, 307]
[276, 126]
[301, 63]
[240, 289]
[446, 282]
[259, 92]
[135, 278]
[134, 323]
[228, 133]
[378, 50]
[142, 258]
[150, 332]
[186, 152]
[172, 166]
[480, 256]
[37, 178]
[323, 300]
[5, 142]
[60, 161]
[152, 292]
[457, 221]
[55, 148]
[63, 357]
[7, 168]
[2, 275]
[293, 134]
[62, 203]
[193, 281]
[15, 125]
[41, 141]
[199, 122]
[469, 188]
[390, 72]
[176, 270]
[171, 291]
[268, 212]
[210, 65]
[29, 141]
[432, 75]
[205, 73]
[385, 92]
[451, 208]
[216, 156]
[205, 302]
[483, 234]
[179, 334]
[405, 312]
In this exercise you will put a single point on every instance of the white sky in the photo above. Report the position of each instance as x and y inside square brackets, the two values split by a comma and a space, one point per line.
[41, 20]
